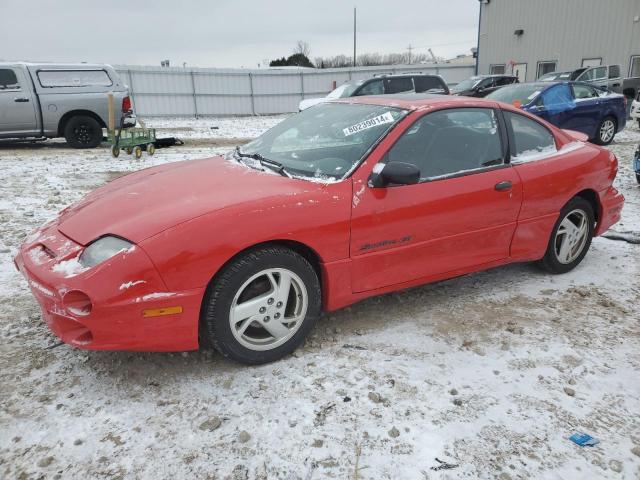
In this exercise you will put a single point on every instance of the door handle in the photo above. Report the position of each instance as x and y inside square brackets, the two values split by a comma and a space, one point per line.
[504, 185]
[21, 100]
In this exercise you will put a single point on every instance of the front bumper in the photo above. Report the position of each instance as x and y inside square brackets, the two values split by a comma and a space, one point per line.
[123, 291]
[612, 202]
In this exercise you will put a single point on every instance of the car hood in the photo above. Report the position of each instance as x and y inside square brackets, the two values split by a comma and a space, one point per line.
[145, 203]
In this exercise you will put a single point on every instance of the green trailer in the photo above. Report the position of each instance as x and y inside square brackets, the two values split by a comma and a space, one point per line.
[132, 140]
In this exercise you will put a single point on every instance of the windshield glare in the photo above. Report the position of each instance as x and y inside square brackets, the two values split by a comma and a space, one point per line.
[326, 141]
[523, 93]
[467, 84]
[343, 91]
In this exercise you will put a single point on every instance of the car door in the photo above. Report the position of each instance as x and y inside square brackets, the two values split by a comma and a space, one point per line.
[17, 106]
[587, 113]
[461, 215]
[486, 87]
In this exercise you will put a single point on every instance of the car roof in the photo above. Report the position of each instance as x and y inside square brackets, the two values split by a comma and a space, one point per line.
[401, 75]
[417, 101]
[57, 66]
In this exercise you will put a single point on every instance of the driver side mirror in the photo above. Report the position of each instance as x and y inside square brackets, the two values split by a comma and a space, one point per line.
[398, 173]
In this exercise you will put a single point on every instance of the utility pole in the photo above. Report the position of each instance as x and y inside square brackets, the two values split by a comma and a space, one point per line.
[409, 48]
[354, 36]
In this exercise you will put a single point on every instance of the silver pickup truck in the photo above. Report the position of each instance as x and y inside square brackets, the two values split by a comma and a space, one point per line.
[61, 100]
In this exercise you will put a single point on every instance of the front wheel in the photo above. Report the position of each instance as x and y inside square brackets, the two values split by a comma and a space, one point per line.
[606, 131]
[570, 238]
[262, 305]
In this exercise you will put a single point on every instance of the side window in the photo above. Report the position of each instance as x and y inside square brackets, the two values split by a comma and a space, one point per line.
[372, 88]
[450, 141]
[74, 78]
[399, 85]
[600, 73]
[8, 80]
[584, 91]
[531, 140]
[588, 76]
[557, 99]
[614, 71]
[426, 84]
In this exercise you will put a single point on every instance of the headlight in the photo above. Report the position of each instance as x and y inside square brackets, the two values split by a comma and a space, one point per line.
[103, 249]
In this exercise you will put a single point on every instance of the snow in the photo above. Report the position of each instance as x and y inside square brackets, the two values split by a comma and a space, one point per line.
[507, 341]
[130, 284]
[69, 268]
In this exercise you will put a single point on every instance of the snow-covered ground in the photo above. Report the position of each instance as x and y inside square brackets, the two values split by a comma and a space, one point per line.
[489, 372]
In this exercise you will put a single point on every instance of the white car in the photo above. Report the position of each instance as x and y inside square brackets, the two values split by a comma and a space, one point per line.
[635, 110]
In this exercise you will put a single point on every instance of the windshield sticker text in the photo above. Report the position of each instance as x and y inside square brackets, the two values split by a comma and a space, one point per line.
[372, 122]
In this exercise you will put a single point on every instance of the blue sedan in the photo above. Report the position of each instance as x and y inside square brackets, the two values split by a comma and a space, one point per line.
[579, 106]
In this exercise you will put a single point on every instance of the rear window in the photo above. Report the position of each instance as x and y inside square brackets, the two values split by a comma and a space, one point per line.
[74, 78]
[522, 93]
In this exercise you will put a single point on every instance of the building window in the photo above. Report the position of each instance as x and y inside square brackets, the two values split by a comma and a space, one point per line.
[634, 68]
[591, 62]
[546, 67]
[496, 69]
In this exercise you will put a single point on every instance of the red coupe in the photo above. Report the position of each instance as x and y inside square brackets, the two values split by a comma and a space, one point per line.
[343, 201]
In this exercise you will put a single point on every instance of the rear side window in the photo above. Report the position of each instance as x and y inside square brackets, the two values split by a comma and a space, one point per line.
[74, 78]
[449, 142]
[399, 85]
[584, 91]
[8, 80]
[531, 140]
[426, 84]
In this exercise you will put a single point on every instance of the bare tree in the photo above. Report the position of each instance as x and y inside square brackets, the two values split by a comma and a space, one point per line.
[303, 48]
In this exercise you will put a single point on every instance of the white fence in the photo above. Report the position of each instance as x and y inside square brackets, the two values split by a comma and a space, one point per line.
[193, 92]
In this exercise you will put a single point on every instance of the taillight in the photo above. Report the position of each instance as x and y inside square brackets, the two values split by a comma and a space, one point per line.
[126, 104]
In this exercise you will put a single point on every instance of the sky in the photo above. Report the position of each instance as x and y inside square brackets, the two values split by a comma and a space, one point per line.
[241, 33]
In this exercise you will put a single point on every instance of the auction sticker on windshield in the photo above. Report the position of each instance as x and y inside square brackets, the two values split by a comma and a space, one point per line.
[372, 122]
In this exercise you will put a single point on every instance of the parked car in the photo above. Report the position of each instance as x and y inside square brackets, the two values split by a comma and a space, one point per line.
[343, 201]
[635, 109]
[384, 85]
[571, 105]
[605, 76]
[60, 100]
[482, 85]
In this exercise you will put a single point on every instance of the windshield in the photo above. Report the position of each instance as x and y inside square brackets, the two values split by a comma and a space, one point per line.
[550, 77]
[524, 93]
[467, 84]
[344, 90]
[327, 141]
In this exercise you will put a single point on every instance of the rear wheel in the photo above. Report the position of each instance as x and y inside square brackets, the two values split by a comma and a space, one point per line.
[570, 238]
[606, 131]
[261, 306]
[83, 132]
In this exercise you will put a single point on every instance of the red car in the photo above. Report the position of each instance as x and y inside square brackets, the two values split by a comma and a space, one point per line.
[343, 201]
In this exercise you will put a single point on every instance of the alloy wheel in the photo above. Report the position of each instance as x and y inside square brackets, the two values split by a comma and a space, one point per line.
[268, 309]
[607, 131]
[571, 236]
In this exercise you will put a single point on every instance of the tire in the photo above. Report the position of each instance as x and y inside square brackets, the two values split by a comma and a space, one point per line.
[606, 131]
[246, 294]
[115, 151]
[83, 131]
[129, 150]
[151, 149]
[559, 260]
[638, 177]
[137, 151]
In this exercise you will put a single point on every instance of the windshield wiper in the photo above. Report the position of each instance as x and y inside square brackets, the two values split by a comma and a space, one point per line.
[265, 162]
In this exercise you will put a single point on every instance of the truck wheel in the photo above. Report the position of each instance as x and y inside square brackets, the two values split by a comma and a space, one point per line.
[83, 132]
